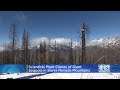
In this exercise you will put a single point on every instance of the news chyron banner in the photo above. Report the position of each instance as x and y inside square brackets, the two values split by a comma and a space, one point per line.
[12, 68]
[59, 68]
[62, 68]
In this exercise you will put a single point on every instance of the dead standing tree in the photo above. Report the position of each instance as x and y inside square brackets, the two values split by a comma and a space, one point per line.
[25, 47]
[44, 52]
[4, 61]
[71, 53]
[40, 53]
[6, 54]
[84, 31]
[13, 43]
[49, 55]
[55, 53]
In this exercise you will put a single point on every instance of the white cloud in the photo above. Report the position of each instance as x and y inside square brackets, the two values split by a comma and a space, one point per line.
[36, 41]
[60, 40]
[66, 41]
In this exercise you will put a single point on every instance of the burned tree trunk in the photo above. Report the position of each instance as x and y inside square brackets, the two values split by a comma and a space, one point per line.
[83, 45]
[13, 42]
[55, 53]
[49, 58]
[71, 53]
[44, 52]
[25, 47]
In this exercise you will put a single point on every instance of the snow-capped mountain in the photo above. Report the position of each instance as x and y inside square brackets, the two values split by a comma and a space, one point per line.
[57, 47]
[115, 40]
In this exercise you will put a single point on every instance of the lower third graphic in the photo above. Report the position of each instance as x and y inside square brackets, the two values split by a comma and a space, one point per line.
[102, 68]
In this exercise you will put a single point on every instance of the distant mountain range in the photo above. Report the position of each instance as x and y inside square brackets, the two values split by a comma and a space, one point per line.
[103, 42]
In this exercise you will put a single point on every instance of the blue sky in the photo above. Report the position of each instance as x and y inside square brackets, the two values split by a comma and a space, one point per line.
[60, 24]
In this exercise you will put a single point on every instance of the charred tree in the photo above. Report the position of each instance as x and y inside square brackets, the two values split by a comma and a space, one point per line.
[44, 52]
[49, 53]
[40, 53]
[4, 58]
[36, 55]
[71, 53]
[13, 42]
[55, 54]
[25, 47]
[83, 47]
[84, 32]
